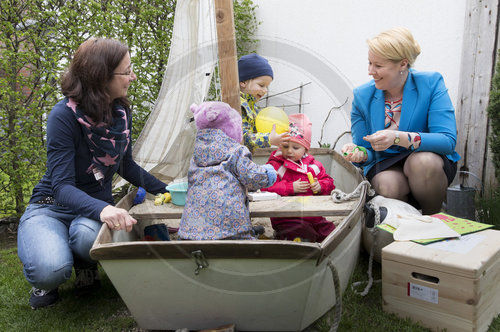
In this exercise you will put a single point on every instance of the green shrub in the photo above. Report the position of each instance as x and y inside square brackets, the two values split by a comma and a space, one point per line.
[37, 40]
[488, 208]
[494, 118]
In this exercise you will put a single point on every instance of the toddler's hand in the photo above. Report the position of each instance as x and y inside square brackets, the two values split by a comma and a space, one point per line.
[300, 186]
[316, 187]
[276, 139]
[271, 174]
[313, 182]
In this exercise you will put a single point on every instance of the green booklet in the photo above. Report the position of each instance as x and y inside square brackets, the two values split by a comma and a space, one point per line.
[459, 225]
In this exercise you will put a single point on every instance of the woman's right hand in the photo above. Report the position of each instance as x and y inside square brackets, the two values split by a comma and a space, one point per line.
[117, 218]
[350, 153]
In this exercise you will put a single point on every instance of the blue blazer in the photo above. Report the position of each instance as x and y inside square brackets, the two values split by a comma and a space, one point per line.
[426, 109]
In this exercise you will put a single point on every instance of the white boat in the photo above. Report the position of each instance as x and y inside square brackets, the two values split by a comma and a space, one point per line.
[262, 285]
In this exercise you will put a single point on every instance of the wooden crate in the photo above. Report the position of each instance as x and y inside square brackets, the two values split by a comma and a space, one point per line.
[452, 284]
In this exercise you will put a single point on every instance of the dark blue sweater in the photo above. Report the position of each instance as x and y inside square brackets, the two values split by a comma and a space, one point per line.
[68, 158]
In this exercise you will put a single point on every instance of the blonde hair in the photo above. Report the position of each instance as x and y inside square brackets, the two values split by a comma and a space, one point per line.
[395, 44]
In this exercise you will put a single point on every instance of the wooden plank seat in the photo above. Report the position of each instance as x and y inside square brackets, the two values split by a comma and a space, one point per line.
[290, 206]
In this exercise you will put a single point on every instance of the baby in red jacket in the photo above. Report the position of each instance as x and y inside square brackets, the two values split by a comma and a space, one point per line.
[292, 163]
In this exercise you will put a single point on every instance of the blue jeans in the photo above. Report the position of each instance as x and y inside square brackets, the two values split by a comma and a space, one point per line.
[50, 239]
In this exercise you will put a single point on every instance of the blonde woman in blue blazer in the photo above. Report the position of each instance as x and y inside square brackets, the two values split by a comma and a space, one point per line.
[403, 125]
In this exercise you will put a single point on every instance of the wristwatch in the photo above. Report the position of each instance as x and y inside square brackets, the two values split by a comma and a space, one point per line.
[397, 139]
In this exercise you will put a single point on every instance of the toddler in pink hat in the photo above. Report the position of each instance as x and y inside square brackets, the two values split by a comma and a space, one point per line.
[293, 162]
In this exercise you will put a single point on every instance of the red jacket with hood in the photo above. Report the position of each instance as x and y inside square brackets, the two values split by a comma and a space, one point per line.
[289, 172]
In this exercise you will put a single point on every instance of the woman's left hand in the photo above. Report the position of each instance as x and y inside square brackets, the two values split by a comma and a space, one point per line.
[381, 140]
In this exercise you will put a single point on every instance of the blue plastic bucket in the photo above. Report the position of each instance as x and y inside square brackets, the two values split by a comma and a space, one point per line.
[178, 192]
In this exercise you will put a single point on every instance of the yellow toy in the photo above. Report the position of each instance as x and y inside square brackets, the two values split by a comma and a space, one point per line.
[269, 116]
[159, 198]
[162, 198]
[311, 180]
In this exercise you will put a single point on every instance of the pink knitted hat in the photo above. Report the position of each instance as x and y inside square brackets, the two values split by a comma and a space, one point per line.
[300, 129]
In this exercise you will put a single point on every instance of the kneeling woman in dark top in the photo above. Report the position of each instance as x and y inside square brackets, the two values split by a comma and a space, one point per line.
[88, 142]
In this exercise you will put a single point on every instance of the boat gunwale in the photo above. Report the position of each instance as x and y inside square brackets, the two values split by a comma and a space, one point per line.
[229, 249]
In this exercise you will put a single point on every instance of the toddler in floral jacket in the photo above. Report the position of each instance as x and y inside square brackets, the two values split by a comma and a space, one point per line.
[220, 172]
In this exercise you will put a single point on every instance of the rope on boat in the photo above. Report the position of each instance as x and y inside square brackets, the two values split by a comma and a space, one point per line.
[338, 298]
[340, 196]
[374, 231]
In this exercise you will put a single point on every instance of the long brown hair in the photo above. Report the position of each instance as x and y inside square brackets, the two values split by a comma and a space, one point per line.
[86, 80]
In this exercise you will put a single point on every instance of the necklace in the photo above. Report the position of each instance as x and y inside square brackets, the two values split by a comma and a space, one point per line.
[394, 101]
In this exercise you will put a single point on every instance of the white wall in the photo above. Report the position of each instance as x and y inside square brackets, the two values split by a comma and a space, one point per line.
[324, 42]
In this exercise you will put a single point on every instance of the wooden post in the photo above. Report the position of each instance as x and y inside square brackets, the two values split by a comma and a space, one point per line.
[480, 33]
[228, 66]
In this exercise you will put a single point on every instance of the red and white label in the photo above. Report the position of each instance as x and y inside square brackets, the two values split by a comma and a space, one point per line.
[423, 293]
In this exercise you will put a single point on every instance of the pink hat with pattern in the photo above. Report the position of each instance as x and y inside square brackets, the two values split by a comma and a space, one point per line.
[300, 129]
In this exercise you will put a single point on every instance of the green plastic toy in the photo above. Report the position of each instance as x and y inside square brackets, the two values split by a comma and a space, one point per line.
[360, 148]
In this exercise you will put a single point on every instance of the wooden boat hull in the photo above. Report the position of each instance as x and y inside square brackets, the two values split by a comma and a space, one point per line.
[265, 285]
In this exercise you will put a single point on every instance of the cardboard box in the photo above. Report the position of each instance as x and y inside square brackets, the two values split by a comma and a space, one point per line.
[453, 284]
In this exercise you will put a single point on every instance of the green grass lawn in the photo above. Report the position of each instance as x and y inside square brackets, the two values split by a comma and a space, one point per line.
[107, 312]
[103, 312]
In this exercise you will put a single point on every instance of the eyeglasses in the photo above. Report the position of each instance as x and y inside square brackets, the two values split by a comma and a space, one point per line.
[127, 73]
